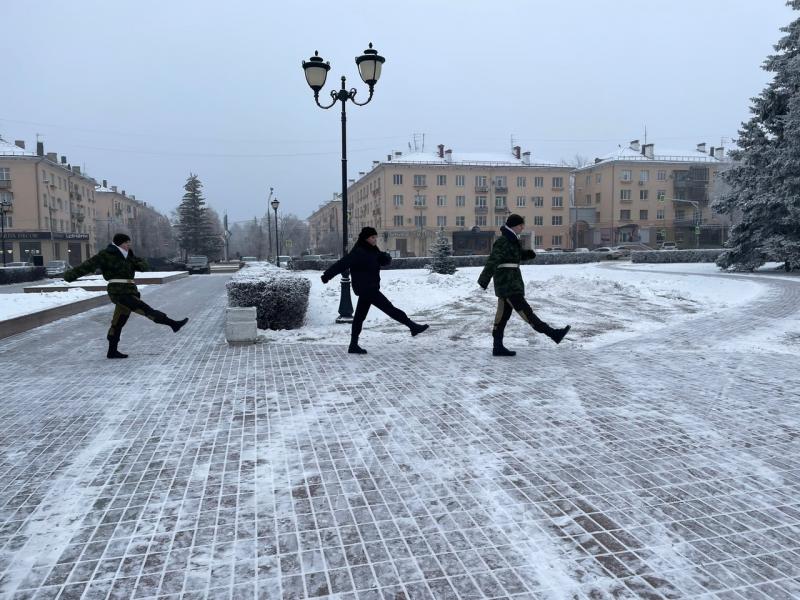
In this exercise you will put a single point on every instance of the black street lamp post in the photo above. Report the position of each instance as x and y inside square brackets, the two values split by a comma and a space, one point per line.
[316, 70]
[275, 205]
[5, 204]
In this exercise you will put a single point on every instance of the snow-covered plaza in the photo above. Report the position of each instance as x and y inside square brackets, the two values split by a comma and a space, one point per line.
[655, 453]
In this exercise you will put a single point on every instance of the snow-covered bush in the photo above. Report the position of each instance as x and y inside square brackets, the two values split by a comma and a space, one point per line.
[676, 256]
[280, 297]
[21, 274]
[442, 259]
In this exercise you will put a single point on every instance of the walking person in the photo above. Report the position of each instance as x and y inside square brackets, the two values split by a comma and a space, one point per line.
[118, 265]
[365, 261]
[503, 266]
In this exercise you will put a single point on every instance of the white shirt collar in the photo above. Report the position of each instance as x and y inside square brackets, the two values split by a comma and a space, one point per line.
[511, 230]
[124, 252]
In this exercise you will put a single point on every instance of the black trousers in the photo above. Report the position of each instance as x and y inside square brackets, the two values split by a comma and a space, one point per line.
[124, 305]
[517, 302]
[374, 298]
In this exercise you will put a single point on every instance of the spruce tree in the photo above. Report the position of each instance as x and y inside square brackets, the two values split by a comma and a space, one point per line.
[764, 195]
[198, 229]
[442, 255]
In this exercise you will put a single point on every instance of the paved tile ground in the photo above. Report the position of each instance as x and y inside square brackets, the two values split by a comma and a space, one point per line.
[662, 467]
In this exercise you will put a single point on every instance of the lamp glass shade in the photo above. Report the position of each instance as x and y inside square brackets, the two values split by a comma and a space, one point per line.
[275, 204]
[369, 66]
[316, 71]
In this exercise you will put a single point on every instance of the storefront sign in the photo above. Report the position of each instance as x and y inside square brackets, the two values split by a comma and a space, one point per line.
[44, 235]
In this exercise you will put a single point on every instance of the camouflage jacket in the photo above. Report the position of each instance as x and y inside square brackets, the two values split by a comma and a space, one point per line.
[113, 265]
[506, 250]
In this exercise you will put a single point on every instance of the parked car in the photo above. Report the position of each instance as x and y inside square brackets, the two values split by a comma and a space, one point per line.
[56, 268]
[198, 264]
[283, 261]
[581, 250]
[669, 246]
[249, 259]
[18, 264]
[627, 247]
[613, 254]
[554, 249]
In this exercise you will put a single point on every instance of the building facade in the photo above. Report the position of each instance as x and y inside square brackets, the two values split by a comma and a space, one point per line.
[408, 198]
[639, 194]
[49, 206]
[325, 227]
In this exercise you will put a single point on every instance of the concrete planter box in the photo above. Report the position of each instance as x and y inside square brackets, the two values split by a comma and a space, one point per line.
[240, 325]
[101, 285]
[37, 319]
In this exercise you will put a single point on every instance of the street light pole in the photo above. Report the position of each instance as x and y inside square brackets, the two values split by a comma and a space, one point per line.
[5, 204]
[316, 70]
[269, 226]
[275, 205]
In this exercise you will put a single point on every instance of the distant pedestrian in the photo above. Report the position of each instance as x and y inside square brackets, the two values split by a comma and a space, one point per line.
[118, 265]
[503, 266]
[365, 261]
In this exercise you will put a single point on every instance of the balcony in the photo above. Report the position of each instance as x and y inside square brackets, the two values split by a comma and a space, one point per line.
[5, 184]
[623, 180]
[501, 189]
[78, 215]
[625, 201]
[482, 188]
[481, 210]
[501, 210]
[420, 206]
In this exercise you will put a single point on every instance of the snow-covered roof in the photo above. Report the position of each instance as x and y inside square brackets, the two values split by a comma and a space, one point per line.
[467, 158]
[100, 188]
[626, 153]
[7, 149]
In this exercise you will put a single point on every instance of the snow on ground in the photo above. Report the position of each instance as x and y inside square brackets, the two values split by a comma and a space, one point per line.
[16, 305]
[99, 279]
[604, 303]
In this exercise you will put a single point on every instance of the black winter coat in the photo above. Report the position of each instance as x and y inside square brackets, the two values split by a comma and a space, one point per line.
[365, 262]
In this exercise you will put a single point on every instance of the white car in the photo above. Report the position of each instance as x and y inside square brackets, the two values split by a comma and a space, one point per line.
[669, 246]
[612, 253]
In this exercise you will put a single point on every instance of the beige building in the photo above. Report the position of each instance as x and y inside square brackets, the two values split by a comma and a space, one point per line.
[50, 206]
[408, 198]
[640, 193]
[325, 227]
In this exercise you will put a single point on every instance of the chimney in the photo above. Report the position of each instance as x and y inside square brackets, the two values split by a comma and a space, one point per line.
[448, 155]
[398, 153]
[701, 147]
[517, 150]
[76, 169]
[114, 189]
[351, 181]
[598, 160]
[105, 183]
[63, 159]
[647, 150]
[635, 145]
[20, 144]
[526, 158]
[53, 156]
[441, 150]
[388, 157]
[375, 163]
[360, 174]
[720, 153]
[39, 148]
[123, 192]
[133, 197]
[711, 151]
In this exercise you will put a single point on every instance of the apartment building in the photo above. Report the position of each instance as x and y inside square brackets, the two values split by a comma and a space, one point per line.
[638, 193]
[325, 227]
[48, 205]
[409, 197]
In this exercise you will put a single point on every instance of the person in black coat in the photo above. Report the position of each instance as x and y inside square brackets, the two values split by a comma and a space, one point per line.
[365, 261]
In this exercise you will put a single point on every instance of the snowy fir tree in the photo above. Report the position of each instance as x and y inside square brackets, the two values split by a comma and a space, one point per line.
[442, 255]
[764, 195]
[197, 229]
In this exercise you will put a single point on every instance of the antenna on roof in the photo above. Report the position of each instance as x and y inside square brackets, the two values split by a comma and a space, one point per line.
[645, 133]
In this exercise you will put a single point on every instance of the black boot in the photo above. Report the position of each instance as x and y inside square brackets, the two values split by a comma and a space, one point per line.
[558, 334]
[416, 328]
[112, 350]
[354, 347]
[498, 349]
[176, 325]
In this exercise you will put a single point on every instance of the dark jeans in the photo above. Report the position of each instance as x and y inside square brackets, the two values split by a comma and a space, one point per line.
[124, 305]
[517, 303]
[375, 298]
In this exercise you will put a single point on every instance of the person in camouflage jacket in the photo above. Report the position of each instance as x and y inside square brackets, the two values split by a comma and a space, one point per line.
[118, 265]
[503, 267]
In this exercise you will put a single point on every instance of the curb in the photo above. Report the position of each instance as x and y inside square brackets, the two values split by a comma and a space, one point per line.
[25, 322]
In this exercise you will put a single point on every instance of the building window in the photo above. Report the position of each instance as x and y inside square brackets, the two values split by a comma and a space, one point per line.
[597, 198]
[398, 220]
[660, 214]
[588, 179]
[558, 182]
[461, 180]
[643, 194]
[680, 214]
[499, 221]
[598, 178]
[441, 221]
[480, 220]
[461, 221]
[419, 200]
[7, 197]
[537, 241]
[522, 181]
[420, 220]
[501, 181]
[661, 195]
[588, 199]
[557, 220]
[538, 201]
[47, 222]
[500, 202]
[538, 220]
[556, 240]
[397, 179]
[480, 200]
[558, 201]
[624, 215]
[441, 180]
[5, 174]
[521, 201]
[398, 199]
[441, 200]
[624, 194]
[626, 175]
[419, 180]
[461, 200]
[7, 221]
[644, 176]
[480, 181]
[643, 215]
[538, 182]
[661, 175]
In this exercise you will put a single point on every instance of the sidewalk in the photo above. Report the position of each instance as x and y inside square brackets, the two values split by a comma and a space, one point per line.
[663, 467]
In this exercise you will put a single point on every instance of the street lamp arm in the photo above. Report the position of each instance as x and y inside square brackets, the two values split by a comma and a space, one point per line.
[352, 96]
[334, 95]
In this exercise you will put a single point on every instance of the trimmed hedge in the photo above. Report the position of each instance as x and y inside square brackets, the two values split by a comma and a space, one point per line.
[21, 274]
[676, 256]
[424, 262]
[280, 297]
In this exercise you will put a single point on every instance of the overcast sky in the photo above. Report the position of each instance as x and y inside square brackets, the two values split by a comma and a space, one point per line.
[144, 92]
